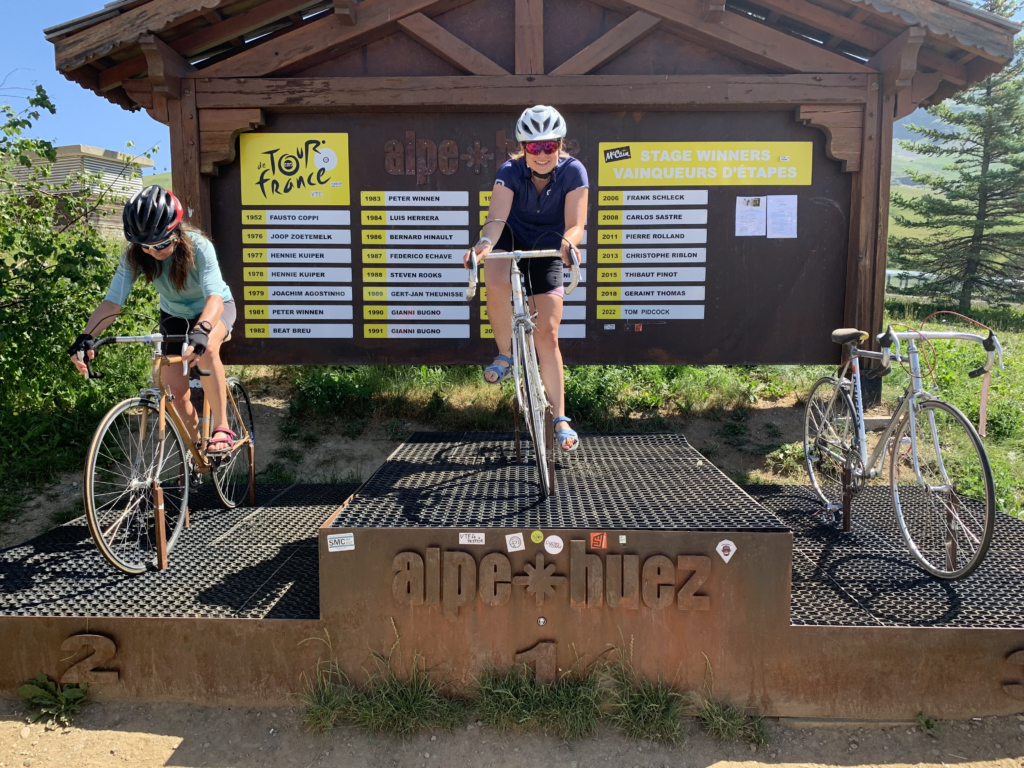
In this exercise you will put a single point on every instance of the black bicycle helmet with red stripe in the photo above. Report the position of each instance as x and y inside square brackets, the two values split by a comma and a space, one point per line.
[151, 215]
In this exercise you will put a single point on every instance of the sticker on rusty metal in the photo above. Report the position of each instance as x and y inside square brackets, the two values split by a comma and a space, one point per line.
[341, 542]
[475, 539]
[622, 539]
[599, 541]
[726, 549]
[514, 542]
[536, 537]
[553, 544]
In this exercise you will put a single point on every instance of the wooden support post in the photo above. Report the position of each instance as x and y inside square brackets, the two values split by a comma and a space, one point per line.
[192, 188]
[160, 524]
[529, 37]
[864, 207]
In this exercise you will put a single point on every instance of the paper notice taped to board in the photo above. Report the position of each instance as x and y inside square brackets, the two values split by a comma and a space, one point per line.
[781, 215]
[751, 216]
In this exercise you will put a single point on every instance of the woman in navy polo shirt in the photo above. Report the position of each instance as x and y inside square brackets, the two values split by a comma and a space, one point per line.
[541, 195]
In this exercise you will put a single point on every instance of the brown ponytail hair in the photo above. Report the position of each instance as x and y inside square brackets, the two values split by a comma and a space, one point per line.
[181, 261]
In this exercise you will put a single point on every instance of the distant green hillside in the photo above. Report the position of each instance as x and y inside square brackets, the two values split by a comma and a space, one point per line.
[160, 179]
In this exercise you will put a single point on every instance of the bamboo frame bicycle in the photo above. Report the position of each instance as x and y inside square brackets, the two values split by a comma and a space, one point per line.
[531, 398]
[939, 473]
[137, 471]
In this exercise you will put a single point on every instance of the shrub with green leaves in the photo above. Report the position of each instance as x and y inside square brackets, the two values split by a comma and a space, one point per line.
[54, 270]
[57, 703]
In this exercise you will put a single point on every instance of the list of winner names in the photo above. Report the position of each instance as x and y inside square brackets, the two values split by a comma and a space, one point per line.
[651, 255]
[299, 282]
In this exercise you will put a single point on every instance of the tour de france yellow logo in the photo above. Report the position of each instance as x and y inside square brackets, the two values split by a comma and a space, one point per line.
[295, 169]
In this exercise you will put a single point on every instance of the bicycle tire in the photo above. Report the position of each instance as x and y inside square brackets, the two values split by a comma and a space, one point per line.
[118, 497]
[947, 526]
[536, 412]
[829, 439]
[232, 475]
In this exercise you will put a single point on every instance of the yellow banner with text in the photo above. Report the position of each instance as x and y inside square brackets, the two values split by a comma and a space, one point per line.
[705, 163]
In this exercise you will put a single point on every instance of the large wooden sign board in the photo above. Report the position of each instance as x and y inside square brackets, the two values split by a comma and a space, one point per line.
[711, 238]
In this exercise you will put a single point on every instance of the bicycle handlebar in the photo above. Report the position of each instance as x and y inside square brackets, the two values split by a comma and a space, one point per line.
[519, 255]
[153, 338]
[891, 338]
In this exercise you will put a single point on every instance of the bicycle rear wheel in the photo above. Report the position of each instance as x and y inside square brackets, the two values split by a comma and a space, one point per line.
[233, 474]
[945, 497]
[121, 465]
[535, 408]
[829, 435]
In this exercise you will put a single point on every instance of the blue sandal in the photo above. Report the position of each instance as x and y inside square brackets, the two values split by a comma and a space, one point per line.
[565, 434]
[502, 371]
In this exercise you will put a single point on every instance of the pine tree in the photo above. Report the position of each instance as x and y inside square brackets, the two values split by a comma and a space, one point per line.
[972, 224]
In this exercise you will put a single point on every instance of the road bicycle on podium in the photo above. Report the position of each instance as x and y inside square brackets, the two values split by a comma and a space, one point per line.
[141, 463]
[939, 474]
[531, 399]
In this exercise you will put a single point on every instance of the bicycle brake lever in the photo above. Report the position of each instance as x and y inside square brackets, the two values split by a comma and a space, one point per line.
[85, 359]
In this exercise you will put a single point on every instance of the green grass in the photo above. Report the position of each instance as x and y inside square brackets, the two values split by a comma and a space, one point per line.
[643, 709]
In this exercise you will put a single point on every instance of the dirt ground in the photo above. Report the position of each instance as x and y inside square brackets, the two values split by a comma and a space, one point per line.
[177, 735]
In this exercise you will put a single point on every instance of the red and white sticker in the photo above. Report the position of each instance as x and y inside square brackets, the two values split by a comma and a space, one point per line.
[553, 545]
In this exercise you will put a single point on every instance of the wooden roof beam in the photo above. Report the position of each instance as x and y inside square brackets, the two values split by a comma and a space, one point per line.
[229, 30]
[611, 44]
[468, 93]
[898, 60]
[447, 46]
[745, 39]
[850, 29]
[124, 29]
[324, 39]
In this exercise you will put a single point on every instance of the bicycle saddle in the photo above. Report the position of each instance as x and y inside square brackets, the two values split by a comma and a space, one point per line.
[846, 335]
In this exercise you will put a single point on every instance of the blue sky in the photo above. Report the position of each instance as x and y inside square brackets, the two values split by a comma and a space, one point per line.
[82, 117]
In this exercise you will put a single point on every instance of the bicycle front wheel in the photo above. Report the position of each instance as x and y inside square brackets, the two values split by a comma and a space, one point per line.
[829, 433]
[536, 410]
[942, 489]
[125, 457]
[234, 474]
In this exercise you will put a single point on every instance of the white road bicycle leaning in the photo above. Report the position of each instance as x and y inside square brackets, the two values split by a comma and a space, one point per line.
[939, 473]
[531, 400]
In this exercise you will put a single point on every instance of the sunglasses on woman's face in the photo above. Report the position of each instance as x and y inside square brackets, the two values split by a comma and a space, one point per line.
[158, 246]
[541, 147]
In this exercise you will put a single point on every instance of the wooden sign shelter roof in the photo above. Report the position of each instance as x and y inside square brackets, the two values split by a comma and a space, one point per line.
[211, 69]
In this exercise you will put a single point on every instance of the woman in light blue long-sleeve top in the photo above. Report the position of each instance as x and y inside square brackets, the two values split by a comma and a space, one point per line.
[195, 302]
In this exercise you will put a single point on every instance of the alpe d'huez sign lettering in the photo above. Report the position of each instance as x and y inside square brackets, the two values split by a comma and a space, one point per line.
[454, 579]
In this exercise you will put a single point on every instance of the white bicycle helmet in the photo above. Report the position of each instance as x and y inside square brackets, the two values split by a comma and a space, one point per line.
[540, 123]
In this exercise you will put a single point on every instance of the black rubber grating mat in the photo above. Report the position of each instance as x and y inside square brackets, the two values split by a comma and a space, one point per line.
[868, 578]
[631, 482]
[252, 562]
